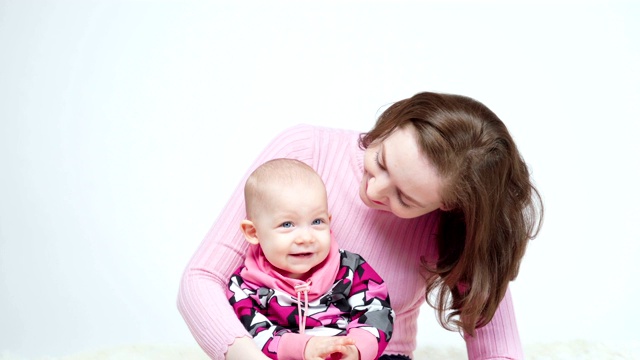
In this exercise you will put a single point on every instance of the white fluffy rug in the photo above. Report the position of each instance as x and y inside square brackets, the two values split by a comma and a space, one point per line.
[576, 350]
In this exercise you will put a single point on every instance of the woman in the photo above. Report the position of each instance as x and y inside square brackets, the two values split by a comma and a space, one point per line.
[436, 197]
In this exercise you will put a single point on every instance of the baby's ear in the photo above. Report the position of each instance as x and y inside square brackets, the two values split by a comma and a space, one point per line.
[249, 231]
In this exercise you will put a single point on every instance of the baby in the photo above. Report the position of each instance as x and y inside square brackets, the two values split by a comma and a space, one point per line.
[298, 294]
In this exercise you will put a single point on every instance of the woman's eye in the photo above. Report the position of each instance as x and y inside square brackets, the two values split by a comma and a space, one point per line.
[378, 160]
[287, 224]
[402, 202]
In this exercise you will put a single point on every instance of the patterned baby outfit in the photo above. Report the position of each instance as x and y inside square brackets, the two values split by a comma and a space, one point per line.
[344, 296]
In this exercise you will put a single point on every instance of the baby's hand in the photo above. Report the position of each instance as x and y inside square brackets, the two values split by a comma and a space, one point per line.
[332, 347]
[351, 353]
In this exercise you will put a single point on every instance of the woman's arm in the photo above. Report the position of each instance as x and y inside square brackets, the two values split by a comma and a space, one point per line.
[201, 299]
[244, 348]
[499, 339]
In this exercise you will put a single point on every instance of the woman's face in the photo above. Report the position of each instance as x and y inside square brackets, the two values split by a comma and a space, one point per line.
[398, 178]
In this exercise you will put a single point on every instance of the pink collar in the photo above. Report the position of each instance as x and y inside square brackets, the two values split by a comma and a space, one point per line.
[258, 271]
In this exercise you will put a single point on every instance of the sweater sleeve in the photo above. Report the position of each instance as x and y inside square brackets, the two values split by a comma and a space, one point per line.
[499, 339]
[371, 314]
[202, 300]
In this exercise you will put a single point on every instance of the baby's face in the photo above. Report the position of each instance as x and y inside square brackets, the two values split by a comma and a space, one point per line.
[293, 227]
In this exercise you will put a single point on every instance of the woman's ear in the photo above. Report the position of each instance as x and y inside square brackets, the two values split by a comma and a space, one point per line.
[249, 231]
[446, 207]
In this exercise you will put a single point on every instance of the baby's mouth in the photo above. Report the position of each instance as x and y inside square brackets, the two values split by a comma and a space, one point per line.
[306, 254]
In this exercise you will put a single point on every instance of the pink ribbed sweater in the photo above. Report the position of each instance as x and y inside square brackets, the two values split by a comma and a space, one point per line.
[392, 246]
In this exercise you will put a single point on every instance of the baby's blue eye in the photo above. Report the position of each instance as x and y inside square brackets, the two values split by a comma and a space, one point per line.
[317, 222]
[287, 224]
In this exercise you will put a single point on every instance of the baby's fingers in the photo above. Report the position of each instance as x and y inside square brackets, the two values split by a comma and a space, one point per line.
[331, 345]
[340, 345]
[344, 340]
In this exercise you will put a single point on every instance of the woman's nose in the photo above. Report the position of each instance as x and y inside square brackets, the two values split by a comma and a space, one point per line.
[376, 188]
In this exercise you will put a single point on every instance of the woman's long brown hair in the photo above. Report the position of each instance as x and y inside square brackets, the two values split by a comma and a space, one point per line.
[493, 209]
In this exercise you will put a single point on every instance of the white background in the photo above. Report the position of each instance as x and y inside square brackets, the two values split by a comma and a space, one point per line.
[124, 126]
